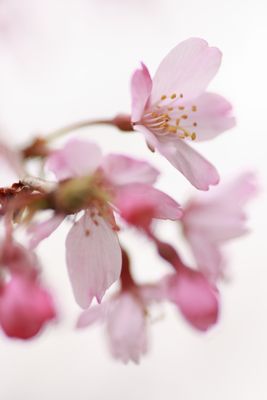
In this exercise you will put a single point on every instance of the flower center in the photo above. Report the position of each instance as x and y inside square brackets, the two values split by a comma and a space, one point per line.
[171, 115]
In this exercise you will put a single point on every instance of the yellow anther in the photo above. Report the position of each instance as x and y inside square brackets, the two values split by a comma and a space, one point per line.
[164, 125]
[178, 121]
[170, 108]
[172, 129]
[173, 96]
[182, 136]
[181, 107]
[194, 108]
[186, 134]
[163, 97]
[165, 116]
[184, 116]
[154, 114]
[193, 136]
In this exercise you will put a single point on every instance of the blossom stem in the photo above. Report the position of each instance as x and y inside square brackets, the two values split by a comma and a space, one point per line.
[127, 281]
[167, 252]
[74, 127]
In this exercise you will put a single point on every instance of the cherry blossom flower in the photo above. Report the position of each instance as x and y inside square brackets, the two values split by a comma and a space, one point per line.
[93, 253]
[174, 108]
[189, 290]
[125, 316]
[210, 221]
[195, 296]
[125, 320]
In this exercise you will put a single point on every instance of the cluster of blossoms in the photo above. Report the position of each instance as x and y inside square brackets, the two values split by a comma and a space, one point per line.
[100, 193]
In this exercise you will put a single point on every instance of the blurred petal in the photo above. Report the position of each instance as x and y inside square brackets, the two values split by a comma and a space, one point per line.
[121, 170]
[211, 220]
[126, 328]
[195, 296]
[93, 257]
[207, 255]
[137, 199]
[42, 230]
[76, 158]
[92, 315]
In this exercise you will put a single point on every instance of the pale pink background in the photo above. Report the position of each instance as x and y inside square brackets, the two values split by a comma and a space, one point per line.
[62, 60]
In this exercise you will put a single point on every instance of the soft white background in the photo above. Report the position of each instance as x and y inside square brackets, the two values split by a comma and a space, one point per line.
[63, 60]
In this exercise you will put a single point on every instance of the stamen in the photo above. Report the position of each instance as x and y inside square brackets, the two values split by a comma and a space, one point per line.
[163, 97]
[193, 136]
[181, 108]
[173, 96]
[184, 116]
[177, 121]
[194, 108]
[172, 129]
[170, 108]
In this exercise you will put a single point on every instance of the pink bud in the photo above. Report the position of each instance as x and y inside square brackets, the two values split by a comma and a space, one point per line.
[24, 307]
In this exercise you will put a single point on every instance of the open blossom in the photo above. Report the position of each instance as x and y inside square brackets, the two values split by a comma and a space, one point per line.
[125, 316]
[174, 108]
[125, 319]
[188, 289]
[93, 253]
[210, 221]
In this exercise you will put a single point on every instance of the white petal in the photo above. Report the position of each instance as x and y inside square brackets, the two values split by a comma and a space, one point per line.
[93, 256]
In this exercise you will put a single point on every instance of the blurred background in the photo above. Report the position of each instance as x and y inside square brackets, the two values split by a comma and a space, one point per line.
[65, 60]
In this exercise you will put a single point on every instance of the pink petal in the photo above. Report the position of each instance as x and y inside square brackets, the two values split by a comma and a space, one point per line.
[215, 218]
[92, 315]
[126, 328]
[141, 85]
[213, 116]
[76, 158]
[220, 215]
[42, 230]
[186, 70]
[207, 255]
[93, 258]
[200, 172]
[196, 298]
[121, 170]
[137, 198]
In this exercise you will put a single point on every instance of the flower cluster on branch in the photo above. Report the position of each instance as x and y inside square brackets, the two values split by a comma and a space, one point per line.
[99, 193]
